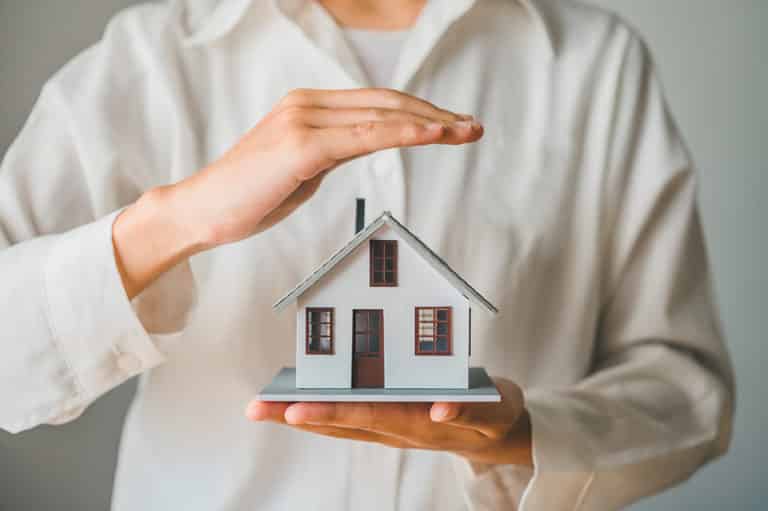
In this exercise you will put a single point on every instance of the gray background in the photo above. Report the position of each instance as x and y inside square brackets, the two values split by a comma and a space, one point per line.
[712, 58]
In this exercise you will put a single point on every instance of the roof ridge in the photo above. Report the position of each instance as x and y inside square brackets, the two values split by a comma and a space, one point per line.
[438, 264]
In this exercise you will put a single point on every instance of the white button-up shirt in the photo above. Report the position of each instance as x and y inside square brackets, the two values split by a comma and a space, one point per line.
[575, 214]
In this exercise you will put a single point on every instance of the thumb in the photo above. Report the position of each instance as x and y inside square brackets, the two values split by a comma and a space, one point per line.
[445, 412]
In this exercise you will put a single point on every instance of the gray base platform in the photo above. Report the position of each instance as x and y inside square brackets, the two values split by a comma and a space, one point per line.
[283, 388]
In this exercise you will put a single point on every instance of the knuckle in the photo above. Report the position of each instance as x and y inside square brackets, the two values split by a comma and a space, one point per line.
[376, 114]
[364, 129]
[295, 97]
[396, 99]
[410, 132]
[294, 114]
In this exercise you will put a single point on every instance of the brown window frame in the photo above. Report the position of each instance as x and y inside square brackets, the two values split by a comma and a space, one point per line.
[374, 258]
[434, 336]
[330, 337]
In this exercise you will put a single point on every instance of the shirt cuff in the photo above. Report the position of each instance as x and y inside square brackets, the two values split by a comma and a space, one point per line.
[561, 477]
[492, 487]
[95, 328]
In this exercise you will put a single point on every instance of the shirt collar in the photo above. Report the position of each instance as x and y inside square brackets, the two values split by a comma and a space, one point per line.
[206, 21]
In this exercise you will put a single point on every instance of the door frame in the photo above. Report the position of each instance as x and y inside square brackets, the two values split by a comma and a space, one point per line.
[381, 346]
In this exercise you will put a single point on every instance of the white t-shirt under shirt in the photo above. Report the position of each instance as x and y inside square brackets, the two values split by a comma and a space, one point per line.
[378, 52]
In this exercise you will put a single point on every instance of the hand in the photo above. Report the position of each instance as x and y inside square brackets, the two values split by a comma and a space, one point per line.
[271, 171]
[280, 163]
[489, 433]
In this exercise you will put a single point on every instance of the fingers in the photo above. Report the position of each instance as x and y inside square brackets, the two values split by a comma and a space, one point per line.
[494, 420]
[339, 143]
[266, 411]
[406, 422]
[456, 132]
[333, 126]
[369, 98]
[334, 117]
[355, 434]
[398, 418]
[261, 411]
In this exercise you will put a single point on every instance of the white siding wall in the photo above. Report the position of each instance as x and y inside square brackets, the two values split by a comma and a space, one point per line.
[346, 288]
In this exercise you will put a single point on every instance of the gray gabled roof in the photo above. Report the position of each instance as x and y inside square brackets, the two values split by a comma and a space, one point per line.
[413, 241]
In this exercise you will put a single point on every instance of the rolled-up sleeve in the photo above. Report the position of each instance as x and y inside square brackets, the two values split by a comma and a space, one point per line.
[658, 402]
[68, 332]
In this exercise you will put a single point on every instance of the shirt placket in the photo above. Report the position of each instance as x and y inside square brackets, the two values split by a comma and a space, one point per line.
[382, 181]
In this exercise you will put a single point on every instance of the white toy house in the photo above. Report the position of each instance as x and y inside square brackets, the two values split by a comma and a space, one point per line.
[384, 318]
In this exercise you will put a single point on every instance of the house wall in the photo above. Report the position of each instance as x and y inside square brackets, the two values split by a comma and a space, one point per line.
[346, 287]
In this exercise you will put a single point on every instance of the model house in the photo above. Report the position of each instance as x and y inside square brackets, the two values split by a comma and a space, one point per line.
[385, 312]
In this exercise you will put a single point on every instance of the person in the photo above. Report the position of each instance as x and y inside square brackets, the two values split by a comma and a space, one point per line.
[176, 178]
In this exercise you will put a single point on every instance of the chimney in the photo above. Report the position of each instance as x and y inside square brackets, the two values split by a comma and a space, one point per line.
[360, 215]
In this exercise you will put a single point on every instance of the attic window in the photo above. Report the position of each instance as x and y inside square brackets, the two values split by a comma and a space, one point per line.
[319, 331]
[383, 263]
[433, 331]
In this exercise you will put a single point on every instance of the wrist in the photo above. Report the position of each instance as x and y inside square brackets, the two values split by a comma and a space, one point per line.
[150, 237]
[515, 448]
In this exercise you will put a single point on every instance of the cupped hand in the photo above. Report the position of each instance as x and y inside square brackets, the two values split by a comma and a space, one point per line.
[281, 162]
[488, 433]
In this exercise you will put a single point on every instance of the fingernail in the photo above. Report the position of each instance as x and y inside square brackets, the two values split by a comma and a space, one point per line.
[440, 415]
[293, 416]
[465, 124]
[465, 117]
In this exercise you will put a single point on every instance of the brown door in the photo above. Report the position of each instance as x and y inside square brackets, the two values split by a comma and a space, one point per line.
[368, 348]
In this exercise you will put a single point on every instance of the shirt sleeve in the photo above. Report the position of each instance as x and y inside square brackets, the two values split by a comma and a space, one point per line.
[658, 403]
[68, 332]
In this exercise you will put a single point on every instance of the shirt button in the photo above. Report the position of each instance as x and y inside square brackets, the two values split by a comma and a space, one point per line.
[381, 167]
[128, 363]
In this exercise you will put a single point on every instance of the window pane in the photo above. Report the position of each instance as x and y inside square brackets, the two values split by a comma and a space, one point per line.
[316, 345]
[378, 248]
[374, 343]
[442, 328]
[442, 345]
[378, 264]
[390, 246]
[426, 314]
[389, 277]
[361, 343]
[426, 329]
[390, 264]
[378, 277]
[361, 322]
[426, 346]
[320, 331]
[374, 319]
[442, 315]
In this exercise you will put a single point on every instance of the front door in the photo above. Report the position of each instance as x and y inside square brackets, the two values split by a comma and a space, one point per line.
[368, 348]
